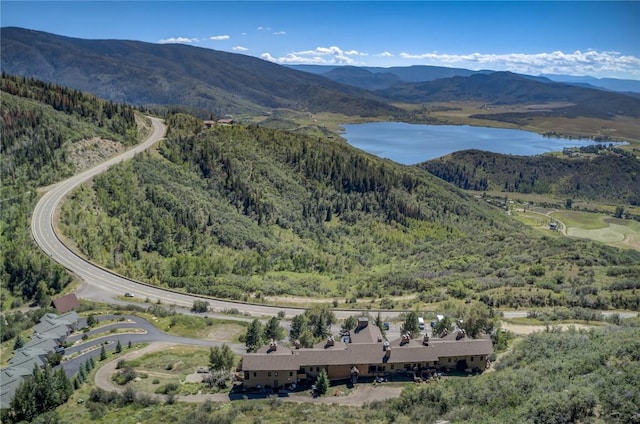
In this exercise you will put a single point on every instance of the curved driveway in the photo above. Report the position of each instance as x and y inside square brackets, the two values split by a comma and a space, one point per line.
[150, 334]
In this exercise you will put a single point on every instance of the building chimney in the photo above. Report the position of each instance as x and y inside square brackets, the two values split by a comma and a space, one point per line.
[330, 341]
[362, 323]
[405, 339]
[297, 344]
[273, 346]
[425, 340]
[387, 351]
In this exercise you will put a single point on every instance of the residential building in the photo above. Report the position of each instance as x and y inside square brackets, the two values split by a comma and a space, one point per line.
[365, 353]
[49, 334]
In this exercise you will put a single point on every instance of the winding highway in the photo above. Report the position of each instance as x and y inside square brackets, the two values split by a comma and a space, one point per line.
[102, 285]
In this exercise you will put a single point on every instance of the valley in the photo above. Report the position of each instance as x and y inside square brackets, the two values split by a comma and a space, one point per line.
[136, 206]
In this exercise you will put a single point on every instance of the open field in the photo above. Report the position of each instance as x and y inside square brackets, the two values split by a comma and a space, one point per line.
[458, 113]
[600, 227]
[172, 365]
[623, 233]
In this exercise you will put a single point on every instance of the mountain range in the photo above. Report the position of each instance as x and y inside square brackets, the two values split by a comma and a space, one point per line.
[421, 73]
[144, 73]
[219, 83]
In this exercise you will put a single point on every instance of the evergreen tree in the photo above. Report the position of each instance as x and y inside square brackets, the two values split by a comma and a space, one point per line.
[118, 347]
[410, 324]
[43, 392]
[103, 353]
[320, 319]
[91, 320]
[298, 325]
[273, 330]
[322, 383]
[253, 338]
[18, 343]
[349, 323]
[82, 373]
[443, 326]
[129, 345]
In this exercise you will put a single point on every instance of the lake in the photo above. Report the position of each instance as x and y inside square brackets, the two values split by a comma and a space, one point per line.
[410, 143]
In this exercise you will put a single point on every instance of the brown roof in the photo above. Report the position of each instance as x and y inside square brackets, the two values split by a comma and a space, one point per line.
[462, 347]
[360, 353]
[368, 334]
[270, 362]
[341, 354]
[66, 303]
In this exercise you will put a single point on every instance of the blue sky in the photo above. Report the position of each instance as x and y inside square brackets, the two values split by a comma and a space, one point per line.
[600, 39]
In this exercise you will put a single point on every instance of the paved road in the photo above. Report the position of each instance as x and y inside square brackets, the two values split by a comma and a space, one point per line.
[149, 334]
[104, 286]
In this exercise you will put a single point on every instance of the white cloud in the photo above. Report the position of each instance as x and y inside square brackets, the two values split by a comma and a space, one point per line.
[384, 54]
[355, 53]
[280, 33]
[219, 37]
[178, 40]
[261, 28]
[332, 55]
[590, 62]
[240, 49]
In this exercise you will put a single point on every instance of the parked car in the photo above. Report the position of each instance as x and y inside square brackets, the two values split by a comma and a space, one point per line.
[128, 294]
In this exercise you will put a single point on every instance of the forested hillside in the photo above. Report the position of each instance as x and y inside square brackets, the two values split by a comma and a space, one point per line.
[234, 211]
[595, 173]
[40, 123]
[171, 74]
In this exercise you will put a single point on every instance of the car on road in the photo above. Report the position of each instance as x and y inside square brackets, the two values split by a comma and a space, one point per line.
[128, 294]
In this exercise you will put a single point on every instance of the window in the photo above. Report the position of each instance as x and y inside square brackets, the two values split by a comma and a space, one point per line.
[290, 373]
[276, 373]
[391, 366]
[472, 359]
[246, 375]
[269, 374]
[317, 369]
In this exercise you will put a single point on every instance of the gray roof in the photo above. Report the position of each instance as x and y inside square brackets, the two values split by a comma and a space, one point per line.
[25, 354]
[42, 341]
[50, 327]
[52, 322]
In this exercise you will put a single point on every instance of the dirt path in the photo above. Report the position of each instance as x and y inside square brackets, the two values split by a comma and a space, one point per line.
[362, 394]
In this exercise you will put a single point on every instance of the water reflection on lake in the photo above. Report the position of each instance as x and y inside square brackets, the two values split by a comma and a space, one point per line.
[410, 143]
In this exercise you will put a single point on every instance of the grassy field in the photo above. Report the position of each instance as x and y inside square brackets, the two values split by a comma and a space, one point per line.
[169, 366]
[600, 227]
[618, 128]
